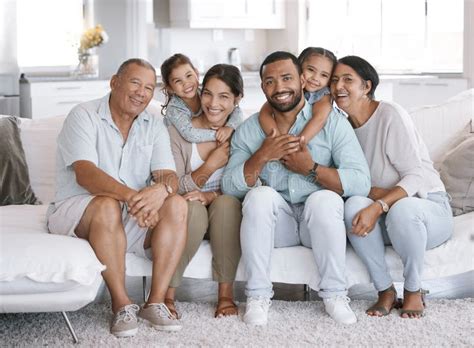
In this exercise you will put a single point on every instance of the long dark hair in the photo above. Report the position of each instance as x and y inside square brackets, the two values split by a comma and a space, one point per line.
[166, 68]
[229, 74]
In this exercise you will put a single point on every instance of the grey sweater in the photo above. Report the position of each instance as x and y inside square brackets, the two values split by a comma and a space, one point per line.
[395, 152]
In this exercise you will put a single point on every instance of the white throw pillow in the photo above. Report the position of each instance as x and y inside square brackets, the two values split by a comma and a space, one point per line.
[28, 250]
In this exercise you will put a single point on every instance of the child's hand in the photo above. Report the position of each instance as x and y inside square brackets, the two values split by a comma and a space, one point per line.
[223, 134]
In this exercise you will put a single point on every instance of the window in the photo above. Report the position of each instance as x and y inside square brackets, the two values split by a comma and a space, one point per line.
[408, 36]
[48, 32]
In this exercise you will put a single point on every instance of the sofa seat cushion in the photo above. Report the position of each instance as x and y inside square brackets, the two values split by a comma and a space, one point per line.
[24, 286]
[296, 265]
[28, 250]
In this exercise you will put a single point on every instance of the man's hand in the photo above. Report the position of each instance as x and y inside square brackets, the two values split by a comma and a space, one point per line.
[219, 156]
[223, 134]
[365, 220]
[205, 198]
[275, 147]
[301, 161]
[144, 206]
[377, 193]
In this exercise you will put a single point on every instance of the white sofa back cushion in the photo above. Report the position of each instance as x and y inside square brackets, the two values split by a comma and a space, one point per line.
[439, 125]
[39, 142]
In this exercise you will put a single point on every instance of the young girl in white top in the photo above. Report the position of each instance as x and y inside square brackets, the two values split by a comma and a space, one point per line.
[183, 102]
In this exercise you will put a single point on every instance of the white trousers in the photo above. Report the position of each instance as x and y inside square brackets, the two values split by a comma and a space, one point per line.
[268, 222]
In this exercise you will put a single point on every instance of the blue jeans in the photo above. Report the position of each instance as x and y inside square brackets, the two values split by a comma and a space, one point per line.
[411, 226]
[268, 222]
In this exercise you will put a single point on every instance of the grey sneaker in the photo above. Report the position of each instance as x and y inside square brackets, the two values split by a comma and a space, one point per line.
[125, 323]
[159, 316]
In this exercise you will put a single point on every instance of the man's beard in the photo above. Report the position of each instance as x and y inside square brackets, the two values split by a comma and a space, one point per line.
[286, 107]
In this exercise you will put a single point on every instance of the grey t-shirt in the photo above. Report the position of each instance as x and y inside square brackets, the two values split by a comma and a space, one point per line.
[395, 152]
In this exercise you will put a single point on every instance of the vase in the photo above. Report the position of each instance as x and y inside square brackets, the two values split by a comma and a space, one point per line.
[88, 67]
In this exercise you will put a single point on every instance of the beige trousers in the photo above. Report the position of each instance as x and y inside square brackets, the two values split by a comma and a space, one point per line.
[221, 220]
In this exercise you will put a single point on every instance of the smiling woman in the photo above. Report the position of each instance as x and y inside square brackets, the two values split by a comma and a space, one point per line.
[199, 167]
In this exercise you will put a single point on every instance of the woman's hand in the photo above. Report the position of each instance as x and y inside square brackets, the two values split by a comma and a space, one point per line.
[223, 134]
[377, 193]
[205, 198]
[365, 220]
[219, 156]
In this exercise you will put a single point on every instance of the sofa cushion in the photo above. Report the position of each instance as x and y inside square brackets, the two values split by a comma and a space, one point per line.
[15, 185]
[28, 250]
[39, 142]
[457, 173]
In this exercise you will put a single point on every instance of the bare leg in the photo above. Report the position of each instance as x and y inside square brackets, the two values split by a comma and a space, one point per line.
[102, 226]
[167, 241]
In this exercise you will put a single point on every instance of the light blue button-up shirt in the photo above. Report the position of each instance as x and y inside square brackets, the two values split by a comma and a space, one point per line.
[89, 133]
[334, 146]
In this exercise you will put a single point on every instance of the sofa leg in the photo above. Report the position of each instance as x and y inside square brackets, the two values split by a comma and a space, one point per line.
[144, 289]
[69, 326]
[307, 292]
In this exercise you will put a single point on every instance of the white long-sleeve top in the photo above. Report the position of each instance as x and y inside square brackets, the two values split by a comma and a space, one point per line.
[395, 152]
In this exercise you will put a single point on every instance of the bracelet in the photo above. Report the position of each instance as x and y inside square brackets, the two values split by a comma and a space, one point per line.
[215, 193]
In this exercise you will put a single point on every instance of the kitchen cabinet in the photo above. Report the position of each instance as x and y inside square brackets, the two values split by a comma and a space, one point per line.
[412, 91]
[39, 99]
[228, 14]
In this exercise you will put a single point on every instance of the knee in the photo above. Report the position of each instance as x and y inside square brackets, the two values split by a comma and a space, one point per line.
[324, 204]
[355, 204]
[227, 204]
[175, 208]
[258, 200]
[405, 209]
[197, 218]
[402, 215]
[106, 210]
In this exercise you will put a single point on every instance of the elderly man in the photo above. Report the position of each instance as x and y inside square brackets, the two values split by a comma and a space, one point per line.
[293, 188]
[107, 151]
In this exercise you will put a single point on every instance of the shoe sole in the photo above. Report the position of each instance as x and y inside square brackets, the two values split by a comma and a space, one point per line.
[127, 333]
[166, 327]
[163, 327]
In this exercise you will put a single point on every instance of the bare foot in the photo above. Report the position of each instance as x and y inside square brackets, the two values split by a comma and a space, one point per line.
[412, 305]
[226, 307]
[386, 302]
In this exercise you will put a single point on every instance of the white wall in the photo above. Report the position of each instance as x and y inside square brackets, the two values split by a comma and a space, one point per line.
[469, 42]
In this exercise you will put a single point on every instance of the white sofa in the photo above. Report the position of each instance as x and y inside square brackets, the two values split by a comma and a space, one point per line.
[41, 272]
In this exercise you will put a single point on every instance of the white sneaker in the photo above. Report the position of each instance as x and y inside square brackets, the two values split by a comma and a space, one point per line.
[256, 311]
[338, 308]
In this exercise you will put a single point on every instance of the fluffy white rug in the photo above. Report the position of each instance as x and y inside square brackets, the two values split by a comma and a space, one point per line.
[447, 323]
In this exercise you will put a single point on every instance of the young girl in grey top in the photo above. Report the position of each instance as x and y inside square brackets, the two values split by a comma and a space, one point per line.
[407, 206]
[183, 102]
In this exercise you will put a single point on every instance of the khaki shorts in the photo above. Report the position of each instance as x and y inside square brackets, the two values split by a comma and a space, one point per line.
[64, 216]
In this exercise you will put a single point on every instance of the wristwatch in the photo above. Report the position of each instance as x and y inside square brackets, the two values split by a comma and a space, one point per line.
[312, 173]
[168, 189]
[384, 205]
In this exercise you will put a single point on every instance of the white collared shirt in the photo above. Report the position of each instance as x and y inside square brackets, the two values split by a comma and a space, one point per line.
[89, 133]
